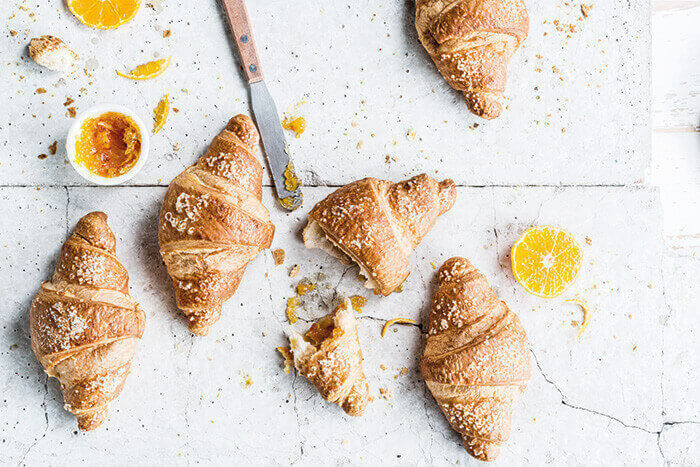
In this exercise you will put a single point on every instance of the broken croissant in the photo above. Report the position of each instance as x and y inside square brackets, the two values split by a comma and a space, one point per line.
[329, 356]
[471, 42]
[476, 359]
[84, 325]
[213, 223]
[377, 224]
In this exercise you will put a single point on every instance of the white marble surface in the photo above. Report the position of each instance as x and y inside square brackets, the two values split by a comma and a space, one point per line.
[626, 393]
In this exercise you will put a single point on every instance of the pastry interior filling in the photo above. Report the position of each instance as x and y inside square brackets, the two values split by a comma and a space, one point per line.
[323, 329]
[329, 327]
[315, 237]
[108, 145]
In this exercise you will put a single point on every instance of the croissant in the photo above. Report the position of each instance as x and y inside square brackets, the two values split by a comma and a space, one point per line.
[213, 223]
[84, 325]
[377, 224]
[471, 42]
[476, 359]
[329, 356]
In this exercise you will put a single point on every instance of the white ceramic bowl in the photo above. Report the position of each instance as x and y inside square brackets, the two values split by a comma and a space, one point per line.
[74, 134]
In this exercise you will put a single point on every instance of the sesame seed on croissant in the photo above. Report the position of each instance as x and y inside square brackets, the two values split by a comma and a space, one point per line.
[213, 223]
[329, 356]
[471, 42]
[84, 325]
[476, 360]
[377, 224]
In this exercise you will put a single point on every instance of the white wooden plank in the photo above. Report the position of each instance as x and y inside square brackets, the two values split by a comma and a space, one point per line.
[676, 170]
[676, 66]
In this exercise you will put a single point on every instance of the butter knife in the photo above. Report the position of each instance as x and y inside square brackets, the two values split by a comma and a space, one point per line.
[287, 184]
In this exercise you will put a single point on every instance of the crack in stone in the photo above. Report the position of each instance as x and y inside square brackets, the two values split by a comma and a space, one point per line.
[427, 397]
[495, 229]
[576, 407]
[67, 205]
[296, 413]
[340, 281]
[663, 339]
[660, 432]
[384, 320]
[46, 417]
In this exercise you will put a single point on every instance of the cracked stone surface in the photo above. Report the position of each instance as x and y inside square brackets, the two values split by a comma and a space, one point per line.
[626, 392]
[356, 71]
[625, 389]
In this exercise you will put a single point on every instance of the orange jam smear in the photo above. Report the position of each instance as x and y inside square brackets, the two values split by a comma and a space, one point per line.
[358, 302]
[297, 125]
[108, 145]
[305, 287]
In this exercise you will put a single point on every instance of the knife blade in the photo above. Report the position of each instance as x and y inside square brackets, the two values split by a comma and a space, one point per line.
[287, 184]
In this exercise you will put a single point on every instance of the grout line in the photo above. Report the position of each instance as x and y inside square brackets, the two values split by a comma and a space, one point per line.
[601, 185]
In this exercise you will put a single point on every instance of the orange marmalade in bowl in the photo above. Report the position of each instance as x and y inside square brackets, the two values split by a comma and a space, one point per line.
[108, 145]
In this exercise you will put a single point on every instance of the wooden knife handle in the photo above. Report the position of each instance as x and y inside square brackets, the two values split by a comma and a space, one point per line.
[243, 34]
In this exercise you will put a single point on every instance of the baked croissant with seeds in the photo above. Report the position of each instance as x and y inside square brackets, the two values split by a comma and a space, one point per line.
[377, 224]
[84, 325]
[329, 356]
[213, 223]
[476, 360]
[471, 42]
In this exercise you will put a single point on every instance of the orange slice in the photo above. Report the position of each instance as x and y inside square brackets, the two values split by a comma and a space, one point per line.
[147, 70]
[104, 14]
[160, 115]
[546, 260]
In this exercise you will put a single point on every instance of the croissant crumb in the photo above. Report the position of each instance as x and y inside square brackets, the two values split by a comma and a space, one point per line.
[292, 306]
[358, 302]
[288, 358]
[52, 53]
[278, 255]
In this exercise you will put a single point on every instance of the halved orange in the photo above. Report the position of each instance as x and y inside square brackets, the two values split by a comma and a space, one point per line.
[546, 261]
[104, 14]
[160, 114]
[147, 70]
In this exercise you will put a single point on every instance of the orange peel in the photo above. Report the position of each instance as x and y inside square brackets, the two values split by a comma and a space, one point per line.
[148, 70]
[160, 114]
[586, 315]
[391, 322]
